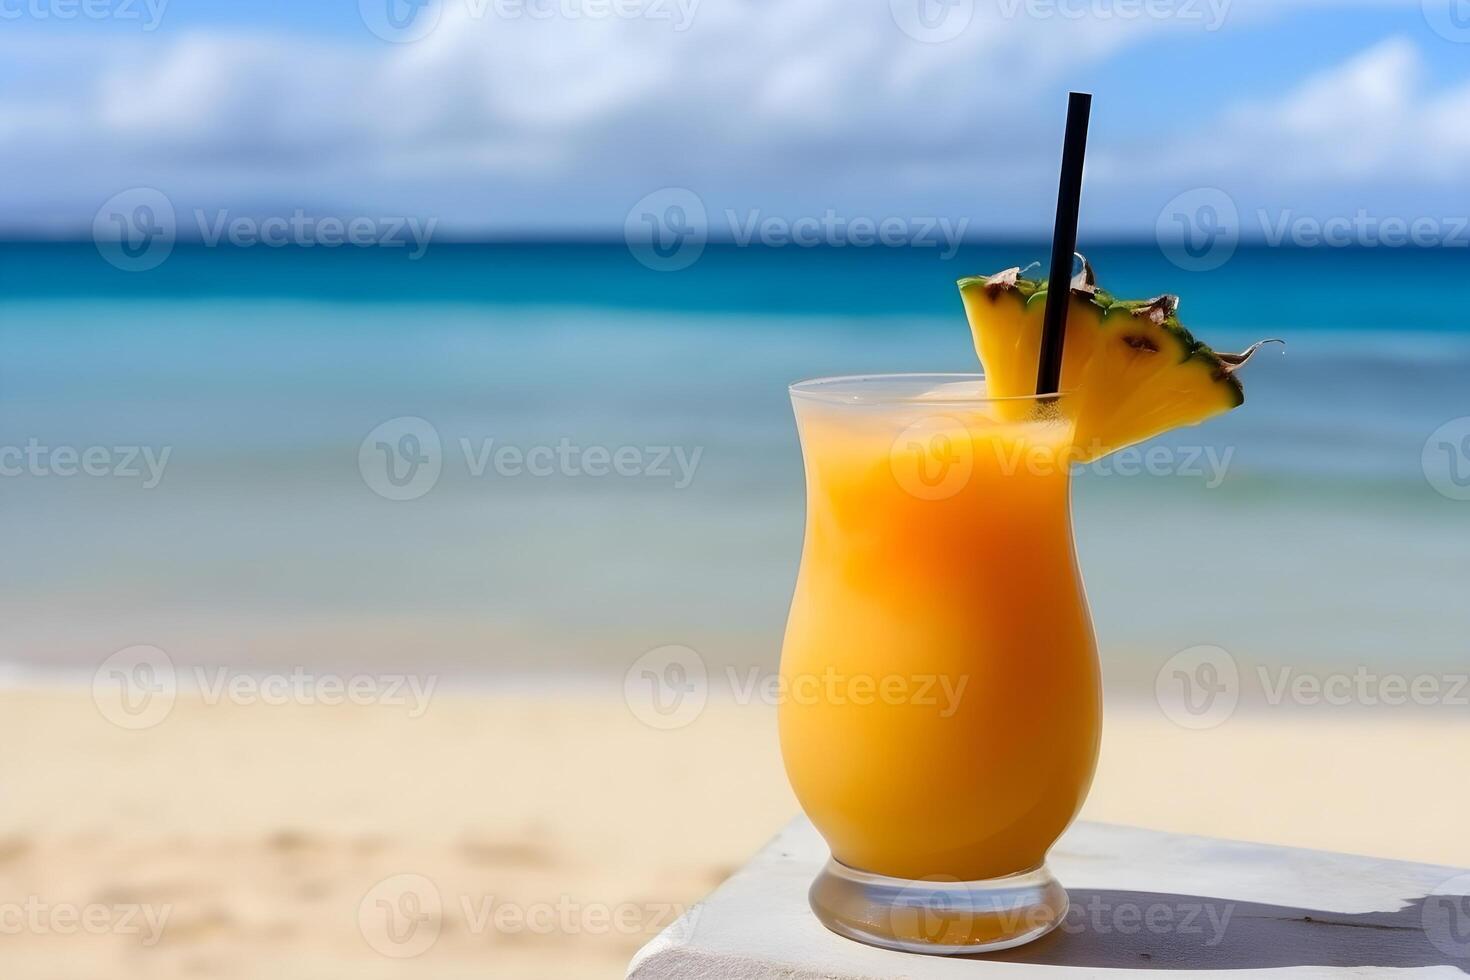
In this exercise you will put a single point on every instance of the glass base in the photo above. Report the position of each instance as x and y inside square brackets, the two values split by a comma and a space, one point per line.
[938, 916]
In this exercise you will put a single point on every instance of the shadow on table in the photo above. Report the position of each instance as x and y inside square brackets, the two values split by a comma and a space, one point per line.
[1148, 930]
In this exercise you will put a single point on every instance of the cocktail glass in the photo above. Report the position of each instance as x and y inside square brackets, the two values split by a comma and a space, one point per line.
[941, 708]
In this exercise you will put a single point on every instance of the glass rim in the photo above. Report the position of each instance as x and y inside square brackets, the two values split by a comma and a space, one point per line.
[903, 388]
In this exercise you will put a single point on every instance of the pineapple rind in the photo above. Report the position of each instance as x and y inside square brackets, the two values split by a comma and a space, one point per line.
[1031, 291]
[1147, 392]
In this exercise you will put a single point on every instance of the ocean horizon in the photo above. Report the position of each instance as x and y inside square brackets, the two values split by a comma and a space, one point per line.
[1303, 527]
[1353, 288]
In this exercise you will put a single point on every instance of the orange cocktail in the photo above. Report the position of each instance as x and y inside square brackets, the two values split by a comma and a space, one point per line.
[942, 712]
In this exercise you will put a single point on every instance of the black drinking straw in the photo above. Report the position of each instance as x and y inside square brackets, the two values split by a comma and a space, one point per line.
[1063, 245]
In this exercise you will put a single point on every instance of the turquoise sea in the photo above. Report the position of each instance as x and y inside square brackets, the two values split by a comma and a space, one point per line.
[1305, 528]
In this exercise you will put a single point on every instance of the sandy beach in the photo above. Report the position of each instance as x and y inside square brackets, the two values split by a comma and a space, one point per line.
[536, 836]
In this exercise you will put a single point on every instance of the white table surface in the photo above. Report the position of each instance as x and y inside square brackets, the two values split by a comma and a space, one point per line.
[1143, 902]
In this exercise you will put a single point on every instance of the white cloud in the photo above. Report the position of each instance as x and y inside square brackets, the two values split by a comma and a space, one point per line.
[1370, 117]
[516, 121]
[495, 123]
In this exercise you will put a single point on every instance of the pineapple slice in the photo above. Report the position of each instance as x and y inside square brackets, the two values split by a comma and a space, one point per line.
[1133, 370]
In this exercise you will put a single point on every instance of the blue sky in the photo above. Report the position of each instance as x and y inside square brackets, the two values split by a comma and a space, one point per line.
[499, 122]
